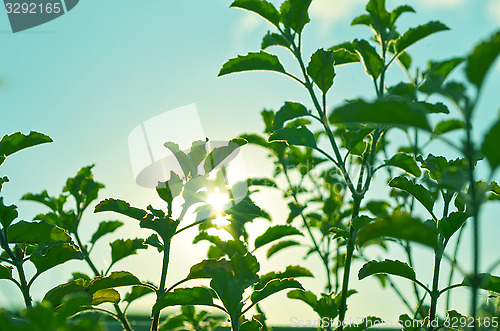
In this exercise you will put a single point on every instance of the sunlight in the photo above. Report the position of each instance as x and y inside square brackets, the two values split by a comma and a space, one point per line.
[218, 200]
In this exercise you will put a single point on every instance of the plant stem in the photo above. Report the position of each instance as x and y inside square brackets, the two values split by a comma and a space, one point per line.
[163, 280]
[435, 281]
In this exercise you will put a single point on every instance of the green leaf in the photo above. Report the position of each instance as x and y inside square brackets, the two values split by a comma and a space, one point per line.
[55, 204]
[106, 295]
[289, 111]
[274, 233]
[437, 73]
[274, 286]
[279, 246]
[321, 69]
[481, 59]
[7, 214]
[181, 157]
[486, 282]
[344, 53]
[450, 224]
[490, 146]
[120, 248]
[397, 113]
[136, 293]
[251, 326]
[5, 272]
[446, 126]
[399, 227]
[197, 154]
[372, 61]
[294, 14]
[104, 228]
[153, 240]
[300, 136]
[252, 61]
[274, 39]
[199, 295]
[245, 269]
[416, 190]
[56, 295]
[219, 154]
[2, 179]
[47, 258]
[389, 267]
[115, 279]
[418, 33]
[83, 187]
[260, 7]
[36, 232]
[406, 162]
[305, 296]
[15, 142]
[291, 271]
[121, 207]
[203, 268]
[398, 11]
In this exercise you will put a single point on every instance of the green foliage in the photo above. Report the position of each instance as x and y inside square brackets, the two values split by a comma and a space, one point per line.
[390, 267]
[252, 61]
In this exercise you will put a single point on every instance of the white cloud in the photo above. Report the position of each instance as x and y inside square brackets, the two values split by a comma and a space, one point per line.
[442, 4]
[493, 10]
[328, 12]
[246, 25]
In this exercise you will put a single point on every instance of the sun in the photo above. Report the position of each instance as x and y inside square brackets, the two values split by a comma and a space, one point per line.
[218, 200]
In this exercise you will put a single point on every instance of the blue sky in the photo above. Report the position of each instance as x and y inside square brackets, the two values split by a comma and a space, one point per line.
[91, 76]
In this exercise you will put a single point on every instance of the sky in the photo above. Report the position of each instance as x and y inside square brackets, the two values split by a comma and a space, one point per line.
[91, 76]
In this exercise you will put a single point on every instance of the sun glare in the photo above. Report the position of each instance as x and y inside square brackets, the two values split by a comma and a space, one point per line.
[218, 200]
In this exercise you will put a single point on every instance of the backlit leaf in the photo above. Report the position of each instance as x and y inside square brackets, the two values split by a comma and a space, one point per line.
[106, 295]
[416, 190]
[481, 59]
[321, 69]
[7, 213]
[219, 154]
[372, 61]
[104, 228]
[448, 125]
[121, 248]
[199, 295]
[306, 296]
[274, 233]
[486, 282]
[300, 136]
[252, 61]
[5, 272]
[36, 232]
[274, 39]
[399, 227]
[115, 279]
[389, 267]
[490, 146]
[406, 162]
[121, 207]
[290, 110]
[294, 14]
[47, 258]
[261, 7]
[291, 271]
[279, 246]
[398, 113]
[274, 286]
[136, 293]
[450, 224]
[17, 141]
[418, 33]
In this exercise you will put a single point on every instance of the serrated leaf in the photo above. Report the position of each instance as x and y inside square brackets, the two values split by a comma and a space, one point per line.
[490, 146]
[394, 15]
[397, 113]
[274, 233]
[219, 154]
[437, 73]
[55, 204]
[274, 286]
[344, 53]
[199, 295]
[406, 162]
[56, 295]
[5, 272]
[7, 214]
[389, 267]
[252, 61]
[274, 39]
[136, 293]
[153, 240]
[291, 271]
[121, 248]
[481, 59]
[56, 254]
[321, 69]
[115, 279]
[36, 232]
[260, 7]
[181, 157]
[15, 142]
[399, 227]
[486, 282]
[306, 296]
[416, 190]
[104, 228]
[448, 125]
[450, 224]
[418, 33]
[279, 246]
[121, 207]
[290, 110]
[106, 295]
[300, 136]
[372, 61]
[294, 14]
